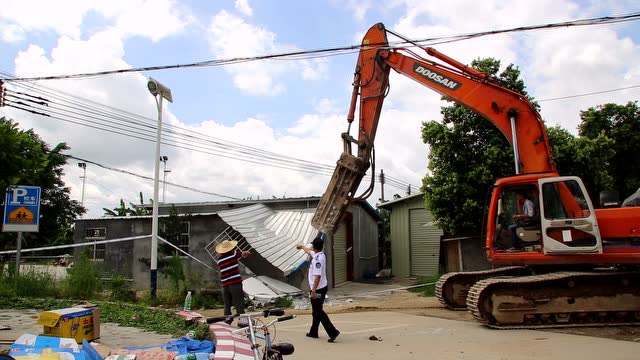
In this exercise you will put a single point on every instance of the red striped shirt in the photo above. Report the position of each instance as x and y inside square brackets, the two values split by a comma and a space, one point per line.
[229, 268]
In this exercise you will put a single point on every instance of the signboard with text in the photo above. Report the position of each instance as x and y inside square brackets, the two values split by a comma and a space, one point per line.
[22, 209]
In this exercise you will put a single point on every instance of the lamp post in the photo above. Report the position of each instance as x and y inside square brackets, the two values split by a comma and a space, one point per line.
[84, 179]
[164, 180]
[159, 92]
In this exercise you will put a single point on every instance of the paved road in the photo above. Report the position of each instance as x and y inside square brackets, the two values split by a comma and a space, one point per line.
[402, 336]
[416, 337]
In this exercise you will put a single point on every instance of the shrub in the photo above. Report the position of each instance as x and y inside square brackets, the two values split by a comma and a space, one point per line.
[283, 302]
[83, 279]
[120, 289]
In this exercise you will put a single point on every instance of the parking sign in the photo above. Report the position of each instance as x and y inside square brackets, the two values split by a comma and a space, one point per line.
[22, 209]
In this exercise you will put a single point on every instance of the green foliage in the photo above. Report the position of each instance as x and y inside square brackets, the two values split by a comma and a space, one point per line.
[27, 160]
[587, 158]
[120, 289]
[170, 230]
[429, 286]
[140, 210]
[171, 268]
[158, 320]
[467, 154]
[118, 211]
[283, 302]
[621, 124]
[32, 283]
[29, 283]
[206, 301]
[83, 279]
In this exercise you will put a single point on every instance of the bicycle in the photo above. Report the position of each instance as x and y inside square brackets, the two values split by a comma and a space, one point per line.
[255, 329]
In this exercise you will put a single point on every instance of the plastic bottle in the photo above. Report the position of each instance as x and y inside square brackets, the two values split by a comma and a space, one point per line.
[187, 302]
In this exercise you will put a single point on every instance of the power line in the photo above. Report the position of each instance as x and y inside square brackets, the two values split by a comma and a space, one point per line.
[589, 93]
[298, 55]
[90, 114]
[149, 178]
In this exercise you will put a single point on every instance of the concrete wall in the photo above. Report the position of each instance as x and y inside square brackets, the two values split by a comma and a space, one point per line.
[124, 258]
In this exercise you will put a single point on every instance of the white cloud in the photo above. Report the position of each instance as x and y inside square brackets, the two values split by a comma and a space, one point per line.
[232, 37]
[553, 63]
[11, 33]
[358, 7]
[153, 19]
[243, 7]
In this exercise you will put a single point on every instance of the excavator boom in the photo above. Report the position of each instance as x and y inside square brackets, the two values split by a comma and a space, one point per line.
[509, 111]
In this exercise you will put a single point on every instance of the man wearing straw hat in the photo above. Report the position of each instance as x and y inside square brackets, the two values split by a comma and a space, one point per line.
[230, 279]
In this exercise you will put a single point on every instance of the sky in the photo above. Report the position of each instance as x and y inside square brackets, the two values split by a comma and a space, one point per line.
[236, 119]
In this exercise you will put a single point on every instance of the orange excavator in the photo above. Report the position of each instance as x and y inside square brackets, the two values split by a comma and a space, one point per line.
[577, 266]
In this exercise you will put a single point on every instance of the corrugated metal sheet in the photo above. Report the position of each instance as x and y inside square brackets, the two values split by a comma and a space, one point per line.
[340, 255]
[425, 247]
[273, 234]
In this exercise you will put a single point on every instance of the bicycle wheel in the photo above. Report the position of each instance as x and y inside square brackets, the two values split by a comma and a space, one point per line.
[271, 354]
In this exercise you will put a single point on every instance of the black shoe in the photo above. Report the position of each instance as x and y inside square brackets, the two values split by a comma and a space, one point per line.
[333, 338]
[311, 335]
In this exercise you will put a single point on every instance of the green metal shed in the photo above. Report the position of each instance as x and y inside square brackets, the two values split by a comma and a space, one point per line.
[415, 240]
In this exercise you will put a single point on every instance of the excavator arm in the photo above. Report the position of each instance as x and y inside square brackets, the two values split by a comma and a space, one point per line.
[509, 111]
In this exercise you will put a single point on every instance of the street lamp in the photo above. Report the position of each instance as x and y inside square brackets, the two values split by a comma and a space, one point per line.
[84, 179]
[164, 180]
[159, 92]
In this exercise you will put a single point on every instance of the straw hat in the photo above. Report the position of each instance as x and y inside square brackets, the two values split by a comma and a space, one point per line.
[226, 246]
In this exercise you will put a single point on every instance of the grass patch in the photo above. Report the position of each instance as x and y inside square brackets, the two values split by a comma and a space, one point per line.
[429, 288]
[161, 321]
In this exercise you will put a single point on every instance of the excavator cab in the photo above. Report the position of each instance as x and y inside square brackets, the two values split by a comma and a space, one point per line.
[564, 219]
[510, 205]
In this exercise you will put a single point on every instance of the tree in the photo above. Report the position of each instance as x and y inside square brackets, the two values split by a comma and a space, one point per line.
[27, 160]
[171, 229]
[586, 158]
[122, 210]
[118, 211]
[467, 154]
[620, 123]
[140, 210]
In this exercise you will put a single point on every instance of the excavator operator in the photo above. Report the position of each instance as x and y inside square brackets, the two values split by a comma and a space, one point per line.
[526, 218]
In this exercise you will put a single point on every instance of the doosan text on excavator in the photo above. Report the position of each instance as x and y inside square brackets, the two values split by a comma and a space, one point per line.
[579, 266]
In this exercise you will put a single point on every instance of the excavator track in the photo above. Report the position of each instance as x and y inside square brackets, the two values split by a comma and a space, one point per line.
[555, 300]
[452, 288]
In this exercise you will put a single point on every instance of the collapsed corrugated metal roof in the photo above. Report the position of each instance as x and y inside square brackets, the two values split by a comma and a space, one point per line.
[274, 234]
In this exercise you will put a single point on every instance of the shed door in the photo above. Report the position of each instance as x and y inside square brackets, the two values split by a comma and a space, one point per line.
[425, 244]
[340, 255]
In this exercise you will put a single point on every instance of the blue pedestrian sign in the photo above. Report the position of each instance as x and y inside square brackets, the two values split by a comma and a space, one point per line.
[22, 209]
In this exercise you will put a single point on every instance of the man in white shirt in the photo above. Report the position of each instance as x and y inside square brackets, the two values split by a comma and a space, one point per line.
[526, 218]
[318, 285]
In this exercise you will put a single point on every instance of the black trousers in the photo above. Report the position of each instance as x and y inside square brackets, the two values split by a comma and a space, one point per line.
[233, 295]
[319, 316]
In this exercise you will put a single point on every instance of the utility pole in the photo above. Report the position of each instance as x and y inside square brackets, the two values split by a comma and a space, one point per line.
[164, 159]
[382, 185]
[159, 92]
[84, 179]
